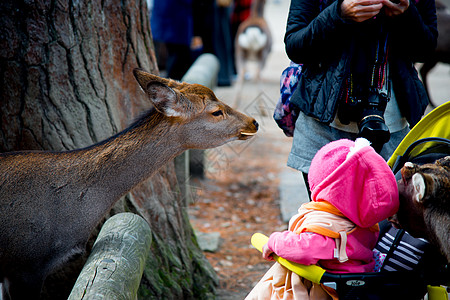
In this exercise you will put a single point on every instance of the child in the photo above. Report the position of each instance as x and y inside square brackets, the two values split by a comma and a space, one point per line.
[352, 189]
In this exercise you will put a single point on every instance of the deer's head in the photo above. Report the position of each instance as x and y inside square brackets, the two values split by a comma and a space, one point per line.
[424, 194]
[192, 109]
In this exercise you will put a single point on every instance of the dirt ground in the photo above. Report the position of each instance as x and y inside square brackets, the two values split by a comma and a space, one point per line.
[238, 197]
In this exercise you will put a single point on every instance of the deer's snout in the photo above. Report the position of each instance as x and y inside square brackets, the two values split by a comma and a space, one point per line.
[256, 124]
[249, 131]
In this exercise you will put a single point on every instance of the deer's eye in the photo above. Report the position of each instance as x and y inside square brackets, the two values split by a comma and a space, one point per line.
[217, 113]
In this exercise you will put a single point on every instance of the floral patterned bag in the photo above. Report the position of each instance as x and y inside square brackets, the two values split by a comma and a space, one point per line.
[286, 113]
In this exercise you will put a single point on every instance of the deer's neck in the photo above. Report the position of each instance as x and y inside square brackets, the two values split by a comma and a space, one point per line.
[132, 156]
[257, 9]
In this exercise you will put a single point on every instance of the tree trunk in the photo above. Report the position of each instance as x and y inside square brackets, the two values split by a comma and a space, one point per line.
[66, 82]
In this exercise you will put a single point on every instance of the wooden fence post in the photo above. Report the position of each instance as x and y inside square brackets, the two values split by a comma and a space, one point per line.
[115, 266]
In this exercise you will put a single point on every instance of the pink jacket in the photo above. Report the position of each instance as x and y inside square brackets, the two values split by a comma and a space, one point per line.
[363, 188]
[312, 248]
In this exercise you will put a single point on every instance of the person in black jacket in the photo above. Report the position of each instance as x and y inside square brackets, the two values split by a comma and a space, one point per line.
[358, 75]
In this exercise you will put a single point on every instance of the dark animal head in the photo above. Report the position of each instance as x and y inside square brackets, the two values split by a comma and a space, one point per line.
[425, 201]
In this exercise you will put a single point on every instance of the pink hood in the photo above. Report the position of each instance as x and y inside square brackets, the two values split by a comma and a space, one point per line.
[361, 186]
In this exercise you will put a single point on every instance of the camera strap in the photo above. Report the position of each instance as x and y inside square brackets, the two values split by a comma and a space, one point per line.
[379, 79]
[380, 82]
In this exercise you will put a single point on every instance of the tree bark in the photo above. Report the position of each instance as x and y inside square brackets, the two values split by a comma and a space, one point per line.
[66, 82]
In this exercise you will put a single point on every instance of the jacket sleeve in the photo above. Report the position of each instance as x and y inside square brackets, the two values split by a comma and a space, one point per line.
[309, 31]
[304, 248]
[414, 33]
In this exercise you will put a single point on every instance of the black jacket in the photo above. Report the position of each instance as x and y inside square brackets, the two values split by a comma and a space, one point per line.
[322, 41]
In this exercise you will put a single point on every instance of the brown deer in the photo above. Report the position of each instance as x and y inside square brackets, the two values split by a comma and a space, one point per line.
[51, 201]
[253, 42]
[425, 201]
[442, 52]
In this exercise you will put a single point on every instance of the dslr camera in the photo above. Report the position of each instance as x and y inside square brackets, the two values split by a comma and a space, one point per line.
[369, 113]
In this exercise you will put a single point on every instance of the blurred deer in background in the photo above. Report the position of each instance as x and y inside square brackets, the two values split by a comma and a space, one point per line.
[253, 43]
[442, 53]
[51, 201]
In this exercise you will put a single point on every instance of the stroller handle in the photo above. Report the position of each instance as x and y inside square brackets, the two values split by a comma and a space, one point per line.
[312, 272]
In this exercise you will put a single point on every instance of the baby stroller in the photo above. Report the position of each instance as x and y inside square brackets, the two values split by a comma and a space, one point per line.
[412, 267]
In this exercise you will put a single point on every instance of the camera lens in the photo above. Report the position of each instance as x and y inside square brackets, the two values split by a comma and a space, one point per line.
[372, 125]
[373, 128]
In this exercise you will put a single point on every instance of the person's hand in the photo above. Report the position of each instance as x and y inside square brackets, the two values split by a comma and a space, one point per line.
[267, 253]
[360, 10]
[394, 9]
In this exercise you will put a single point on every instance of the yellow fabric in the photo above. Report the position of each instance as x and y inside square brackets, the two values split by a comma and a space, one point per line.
[434, 124]
[327, 207]
[319, 230]
[323, 206]
[437, 293]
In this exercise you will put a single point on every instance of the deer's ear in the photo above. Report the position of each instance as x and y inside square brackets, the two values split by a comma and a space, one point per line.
[418, 182]
[144, 78]
[444, 162]
[163, 98]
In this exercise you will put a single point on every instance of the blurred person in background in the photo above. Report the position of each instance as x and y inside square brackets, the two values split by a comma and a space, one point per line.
[173, 28]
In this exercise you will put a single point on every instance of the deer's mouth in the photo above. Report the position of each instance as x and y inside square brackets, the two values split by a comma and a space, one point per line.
[246, 135]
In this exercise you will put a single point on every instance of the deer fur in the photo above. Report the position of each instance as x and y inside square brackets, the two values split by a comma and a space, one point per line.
[253, 43]
[51, 201]
[424, 209]
[442, 52]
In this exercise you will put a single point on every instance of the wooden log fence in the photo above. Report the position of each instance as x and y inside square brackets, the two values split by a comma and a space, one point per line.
[115, 266]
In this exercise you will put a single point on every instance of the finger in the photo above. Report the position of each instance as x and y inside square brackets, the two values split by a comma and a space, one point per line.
[367, 14]
[375, 8]
[359, 12]
[266, 253]
[269, 257]
[369, 2]
[349, 7]
[393, 9]
[389, 4]
[363, 15]
[396, 3]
